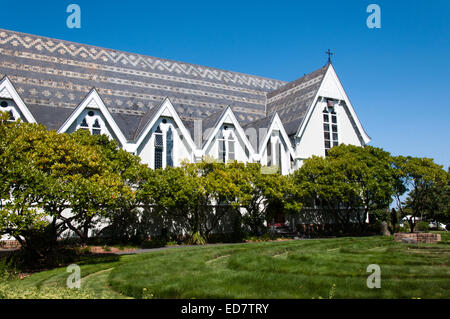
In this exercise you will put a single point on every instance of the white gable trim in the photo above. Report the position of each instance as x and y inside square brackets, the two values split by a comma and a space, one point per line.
[94, 101]
[7, 91]
[166, 109]
[276, 121]
[227, 117]
[332, 73]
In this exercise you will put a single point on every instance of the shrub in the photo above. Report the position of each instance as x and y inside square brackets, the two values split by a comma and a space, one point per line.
[153, 243]
[404, 228]
[422, 226]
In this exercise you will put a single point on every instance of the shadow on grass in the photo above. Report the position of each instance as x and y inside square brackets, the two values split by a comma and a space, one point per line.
[19, 261]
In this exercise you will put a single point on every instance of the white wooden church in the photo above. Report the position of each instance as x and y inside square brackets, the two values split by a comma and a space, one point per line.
[167, 111]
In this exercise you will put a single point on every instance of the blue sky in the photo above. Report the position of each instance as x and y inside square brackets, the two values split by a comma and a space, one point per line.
[397, 77]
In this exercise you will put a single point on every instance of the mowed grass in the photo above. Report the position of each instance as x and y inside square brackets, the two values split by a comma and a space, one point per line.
[291, 269]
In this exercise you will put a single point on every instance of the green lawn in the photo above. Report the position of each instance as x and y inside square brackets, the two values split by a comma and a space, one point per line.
[293, 269]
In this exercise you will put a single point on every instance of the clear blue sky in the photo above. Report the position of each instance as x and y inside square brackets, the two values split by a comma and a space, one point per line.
[397, 77]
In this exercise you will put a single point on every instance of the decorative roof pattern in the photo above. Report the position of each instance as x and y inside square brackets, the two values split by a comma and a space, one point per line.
[54, 76]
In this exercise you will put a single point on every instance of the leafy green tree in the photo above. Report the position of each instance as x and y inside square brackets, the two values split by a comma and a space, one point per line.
[21, 185]
[104, 188]
[418, 181]
[325, 187]
[47, 172]
[194, 193]
[350, 183]
[259, 191]
[370, 173]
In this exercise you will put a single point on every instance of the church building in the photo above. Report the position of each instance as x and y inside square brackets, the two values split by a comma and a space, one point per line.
[167, 112]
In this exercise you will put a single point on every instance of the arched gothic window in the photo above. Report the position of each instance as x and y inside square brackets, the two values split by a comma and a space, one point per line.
[227, 146]
[11, 117]
[278, 153]
[222, 148]
[159, 148]
[231, 151]
[91, 123]
[84, 125]
[7, 107]
[96, 129]
[274, 151]
[169, 151]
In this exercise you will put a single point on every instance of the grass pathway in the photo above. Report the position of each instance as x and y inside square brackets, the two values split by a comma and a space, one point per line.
[98, 283]
[292, 269]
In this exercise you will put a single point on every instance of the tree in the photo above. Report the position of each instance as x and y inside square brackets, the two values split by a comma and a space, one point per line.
[349, 183]
[45, 173]
[418, 181]
[260, 191]
[104, 188]
[324, 186]
[194, 193]
[368, 169]
[22, 184]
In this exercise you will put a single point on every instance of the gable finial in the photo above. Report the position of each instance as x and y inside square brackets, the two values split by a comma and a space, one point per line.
[329, 53]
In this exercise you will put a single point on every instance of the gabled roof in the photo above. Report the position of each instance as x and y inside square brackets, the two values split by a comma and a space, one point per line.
[144, 120]
[260, 128]
[165, 109]
[293, 100]
[210, 123]
[218, 121]
[52, 117]
[275, 123]
[8, 91]
[93, 100]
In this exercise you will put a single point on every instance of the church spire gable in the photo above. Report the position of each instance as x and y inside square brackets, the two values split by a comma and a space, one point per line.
[96, 109]
[8, 92]
[331, 89]
[227, 117]
[165, 109]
